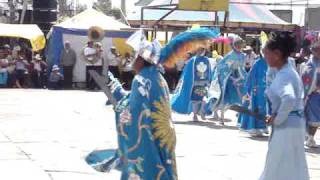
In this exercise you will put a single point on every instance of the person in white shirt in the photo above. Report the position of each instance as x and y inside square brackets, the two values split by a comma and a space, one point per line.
[89, 51]
[127, 74]
[215, 58]
[94, 55]
[113, 62]
[250, 57]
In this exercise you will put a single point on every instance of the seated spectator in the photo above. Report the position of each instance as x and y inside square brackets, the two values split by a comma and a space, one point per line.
[55, 79]
[3, 74]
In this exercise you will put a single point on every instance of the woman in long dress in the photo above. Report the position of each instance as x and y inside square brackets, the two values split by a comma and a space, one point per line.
[286, 155]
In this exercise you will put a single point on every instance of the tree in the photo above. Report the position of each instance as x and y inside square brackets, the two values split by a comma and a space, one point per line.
[66, 8]
[105, 6]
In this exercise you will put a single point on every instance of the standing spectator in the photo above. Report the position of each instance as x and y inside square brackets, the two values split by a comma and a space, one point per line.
[94, 64]
[3, 74]
[91, 57]
[127, 74]
[11, 82]
[113, 62]
[68, 60]
[56, 78]
[16, 52]
[216, 57]
[21, 71]
[179, 69]
[250, 57]
[89, 51]
[38, 70]
[7, 52]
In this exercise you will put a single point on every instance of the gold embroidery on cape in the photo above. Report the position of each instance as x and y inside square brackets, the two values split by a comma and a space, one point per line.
[140, 127]
[163, 128]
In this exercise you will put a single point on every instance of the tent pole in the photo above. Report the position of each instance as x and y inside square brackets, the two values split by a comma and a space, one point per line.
[166, 37]
[142, 14]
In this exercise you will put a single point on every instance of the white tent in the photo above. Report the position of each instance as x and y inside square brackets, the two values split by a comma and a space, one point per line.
[75, 31]
[91, 17]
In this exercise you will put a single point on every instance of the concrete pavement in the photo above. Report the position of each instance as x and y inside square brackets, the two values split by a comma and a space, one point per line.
[45, 135]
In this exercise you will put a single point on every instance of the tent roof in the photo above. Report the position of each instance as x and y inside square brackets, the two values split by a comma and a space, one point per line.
[91, 17]
[239, 13]
[27, 31]
[143, 2]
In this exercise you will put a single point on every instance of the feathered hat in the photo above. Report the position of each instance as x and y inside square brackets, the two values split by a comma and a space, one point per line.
[188, 41]
[149, 51]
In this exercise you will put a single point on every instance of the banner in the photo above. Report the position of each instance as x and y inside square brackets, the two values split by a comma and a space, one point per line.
[204, 5]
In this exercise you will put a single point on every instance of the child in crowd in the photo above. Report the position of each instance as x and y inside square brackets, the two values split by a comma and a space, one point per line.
[56, 78]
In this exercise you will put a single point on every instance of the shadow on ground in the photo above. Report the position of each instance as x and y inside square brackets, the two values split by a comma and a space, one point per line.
[313, 150]
[211, 125]
[217, 120]
[259, 138]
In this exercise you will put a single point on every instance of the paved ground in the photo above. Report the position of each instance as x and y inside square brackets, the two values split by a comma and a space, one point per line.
[47, 134]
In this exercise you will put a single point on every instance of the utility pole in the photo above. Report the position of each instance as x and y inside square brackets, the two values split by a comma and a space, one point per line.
[307, 14]
[123, 7]
[25, 6]
[12, 13]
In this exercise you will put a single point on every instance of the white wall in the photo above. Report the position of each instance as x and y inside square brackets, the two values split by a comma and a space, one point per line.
[78, 43]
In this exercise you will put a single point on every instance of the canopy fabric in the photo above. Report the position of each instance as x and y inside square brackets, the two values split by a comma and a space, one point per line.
[238, 13]
[27, 31]
[91, 17]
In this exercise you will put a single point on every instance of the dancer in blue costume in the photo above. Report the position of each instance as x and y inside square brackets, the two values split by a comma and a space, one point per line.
[146, 137]
[255, 99]
[311, 81]
[228, 81]
[193, 86]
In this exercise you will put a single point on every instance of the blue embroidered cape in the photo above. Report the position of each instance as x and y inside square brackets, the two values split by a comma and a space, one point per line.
[181, 99]
[255, 87]
[146, 137]
[228, 79]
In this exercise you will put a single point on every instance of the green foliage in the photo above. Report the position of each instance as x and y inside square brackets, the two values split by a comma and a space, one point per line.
[105, 6]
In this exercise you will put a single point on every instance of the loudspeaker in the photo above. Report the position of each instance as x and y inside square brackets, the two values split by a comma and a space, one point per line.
[45, 4]
[45, 27]
[44, 16]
